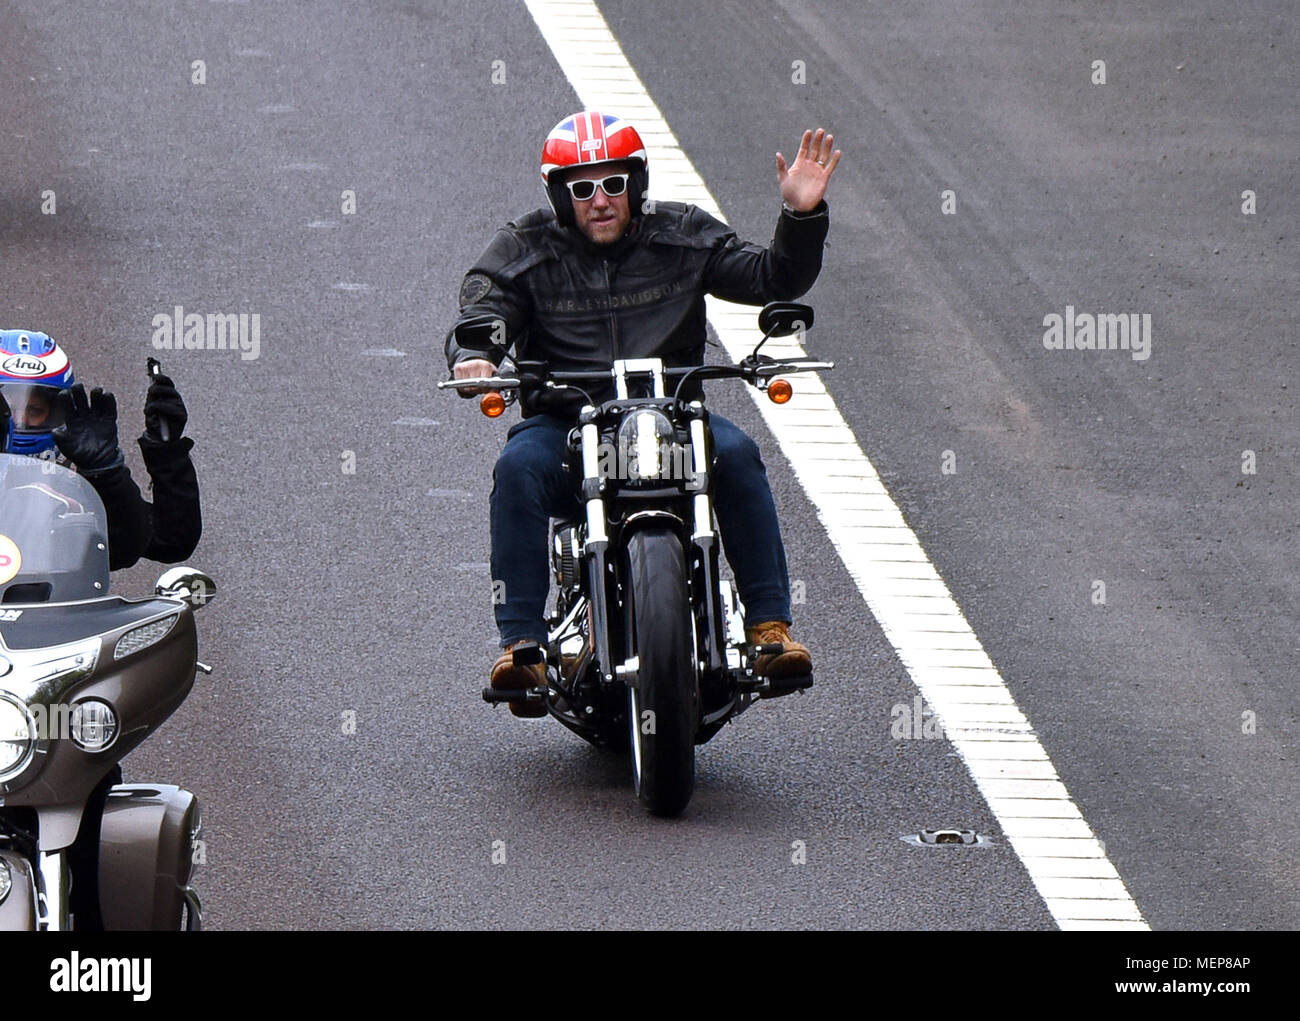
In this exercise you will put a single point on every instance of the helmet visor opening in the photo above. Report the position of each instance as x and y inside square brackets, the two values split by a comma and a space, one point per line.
[33, 409]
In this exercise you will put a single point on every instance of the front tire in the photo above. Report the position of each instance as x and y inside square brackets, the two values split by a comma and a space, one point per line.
[663, 707]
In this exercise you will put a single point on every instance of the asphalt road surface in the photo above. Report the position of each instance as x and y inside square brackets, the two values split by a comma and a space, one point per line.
[350, 775]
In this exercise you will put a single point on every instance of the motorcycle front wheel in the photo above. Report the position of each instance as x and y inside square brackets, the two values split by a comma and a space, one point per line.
[663, 704]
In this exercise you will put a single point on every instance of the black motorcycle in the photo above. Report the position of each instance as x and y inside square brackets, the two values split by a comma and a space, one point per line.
[646, 646]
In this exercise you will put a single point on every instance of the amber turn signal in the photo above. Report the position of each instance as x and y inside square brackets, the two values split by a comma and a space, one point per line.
[779, 391]
[492, 405]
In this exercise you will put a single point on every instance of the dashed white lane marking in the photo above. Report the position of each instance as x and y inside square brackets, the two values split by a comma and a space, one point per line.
[916, 611]
[415, 421]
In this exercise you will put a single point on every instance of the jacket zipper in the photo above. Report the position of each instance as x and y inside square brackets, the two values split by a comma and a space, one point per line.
[613, 321]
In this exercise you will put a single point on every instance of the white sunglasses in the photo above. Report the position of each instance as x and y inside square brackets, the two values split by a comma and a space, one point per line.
[585, 190]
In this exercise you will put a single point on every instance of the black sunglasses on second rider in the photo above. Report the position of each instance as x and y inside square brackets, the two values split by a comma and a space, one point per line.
[585, 190]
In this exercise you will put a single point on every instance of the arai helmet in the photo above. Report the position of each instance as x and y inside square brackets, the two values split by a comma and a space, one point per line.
[33, 369]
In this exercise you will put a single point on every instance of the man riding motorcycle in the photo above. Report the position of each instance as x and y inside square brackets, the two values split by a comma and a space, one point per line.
[606, 274]
[44, 411]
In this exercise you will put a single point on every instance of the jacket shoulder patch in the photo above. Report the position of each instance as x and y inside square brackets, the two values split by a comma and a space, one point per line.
[474, 288]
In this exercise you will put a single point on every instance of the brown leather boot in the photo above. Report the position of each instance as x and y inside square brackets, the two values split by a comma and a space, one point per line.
[794, 661]
[506, 675]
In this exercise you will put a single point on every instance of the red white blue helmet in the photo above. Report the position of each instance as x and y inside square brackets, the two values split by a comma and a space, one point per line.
[587, 138]
[33, 369]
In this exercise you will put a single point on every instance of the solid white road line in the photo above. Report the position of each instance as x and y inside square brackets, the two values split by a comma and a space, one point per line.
[916, 611]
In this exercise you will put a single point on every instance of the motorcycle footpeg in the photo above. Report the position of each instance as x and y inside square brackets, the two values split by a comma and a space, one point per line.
[775, 687]
[495, 696]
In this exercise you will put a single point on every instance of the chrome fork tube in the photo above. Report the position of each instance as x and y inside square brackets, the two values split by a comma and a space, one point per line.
[597, 544]
[53, 884]
[591, 474]
[700, 458]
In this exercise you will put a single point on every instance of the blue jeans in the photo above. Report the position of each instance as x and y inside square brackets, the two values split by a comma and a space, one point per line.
[529, 487]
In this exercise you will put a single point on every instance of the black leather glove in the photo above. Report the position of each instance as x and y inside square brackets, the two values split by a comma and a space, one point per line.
[88, 435]
[163, 406]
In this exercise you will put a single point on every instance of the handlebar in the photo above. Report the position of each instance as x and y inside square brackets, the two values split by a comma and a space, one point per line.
[749, 371]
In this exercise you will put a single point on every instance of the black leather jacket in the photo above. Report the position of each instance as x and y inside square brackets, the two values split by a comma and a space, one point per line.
[579, 306]
[166, 531]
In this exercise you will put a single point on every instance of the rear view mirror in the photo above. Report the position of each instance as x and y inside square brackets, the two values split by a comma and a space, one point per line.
[784, 318]
[188, 585]
[481, 333]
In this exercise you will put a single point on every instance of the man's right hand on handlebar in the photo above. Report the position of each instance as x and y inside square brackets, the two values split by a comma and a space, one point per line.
[473, 368]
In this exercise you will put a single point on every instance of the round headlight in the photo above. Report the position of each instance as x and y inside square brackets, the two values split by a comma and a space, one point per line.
[93, 725]
[6, 880]
[645, 446]
[17, 737]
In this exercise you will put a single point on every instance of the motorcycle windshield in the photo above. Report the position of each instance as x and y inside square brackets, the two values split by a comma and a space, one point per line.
[53, 534]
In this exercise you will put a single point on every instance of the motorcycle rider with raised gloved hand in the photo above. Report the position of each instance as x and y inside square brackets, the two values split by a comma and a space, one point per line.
[45, 414]
[606, 274]
[50, 415]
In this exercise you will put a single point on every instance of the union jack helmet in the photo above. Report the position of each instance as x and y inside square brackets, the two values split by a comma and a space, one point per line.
[586, 138]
